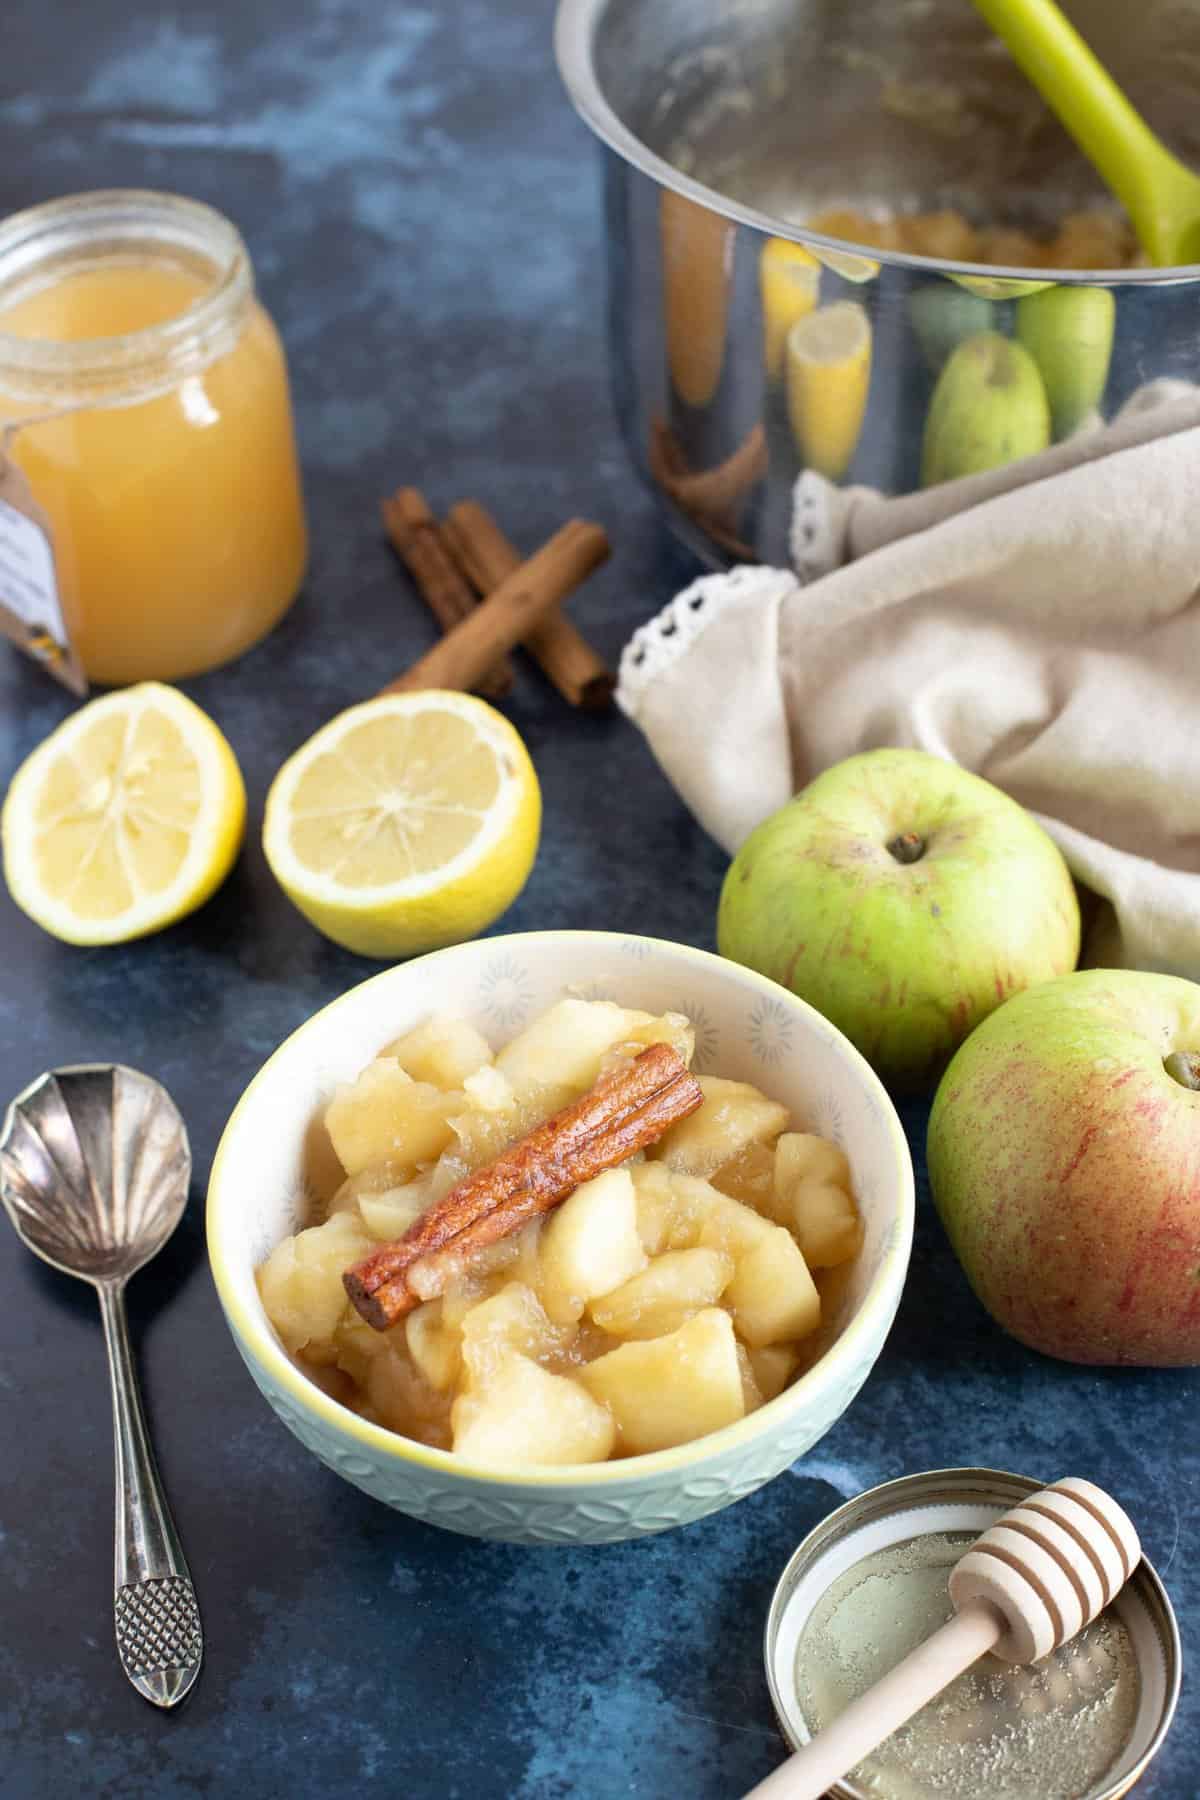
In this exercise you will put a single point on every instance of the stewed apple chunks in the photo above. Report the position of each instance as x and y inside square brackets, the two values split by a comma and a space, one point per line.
[660, 1301]
[812, 1198]
[590, 1244]
[301, 1281]
[388, 1117]
[733, 1116]
[569, 1042]
[525, 1415]
[772, 1296]
[443, 1052]
[671, 1389]
[665, 1295]
[511, 1408]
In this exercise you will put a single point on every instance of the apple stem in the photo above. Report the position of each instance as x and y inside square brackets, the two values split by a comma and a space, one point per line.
[1183, 1066]
[908, 847]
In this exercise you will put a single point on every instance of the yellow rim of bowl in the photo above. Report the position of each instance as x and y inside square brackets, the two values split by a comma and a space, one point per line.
[883, 1295]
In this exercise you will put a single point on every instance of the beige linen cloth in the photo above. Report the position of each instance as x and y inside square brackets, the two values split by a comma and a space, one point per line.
[1039, 624]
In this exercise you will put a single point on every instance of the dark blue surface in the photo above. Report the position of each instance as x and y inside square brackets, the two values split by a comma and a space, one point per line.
[423, 211]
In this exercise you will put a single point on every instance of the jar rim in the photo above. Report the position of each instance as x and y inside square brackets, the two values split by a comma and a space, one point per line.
[57, 231]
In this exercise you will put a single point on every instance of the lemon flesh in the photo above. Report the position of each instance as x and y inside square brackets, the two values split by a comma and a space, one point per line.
[790, 282]
[124, 819]
[828, 377]
[405, 824]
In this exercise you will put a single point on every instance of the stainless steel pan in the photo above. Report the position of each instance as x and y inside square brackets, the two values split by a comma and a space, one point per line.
[725, 124]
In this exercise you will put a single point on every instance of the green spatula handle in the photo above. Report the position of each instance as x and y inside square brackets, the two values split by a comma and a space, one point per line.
[1154, 188]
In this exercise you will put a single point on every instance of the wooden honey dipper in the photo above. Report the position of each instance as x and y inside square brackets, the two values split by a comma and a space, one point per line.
[1026, 1587]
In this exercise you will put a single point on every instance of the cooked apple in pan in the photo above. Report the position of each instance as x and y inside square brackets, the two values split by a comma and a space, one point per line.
[566, 1250]
[1096, 239]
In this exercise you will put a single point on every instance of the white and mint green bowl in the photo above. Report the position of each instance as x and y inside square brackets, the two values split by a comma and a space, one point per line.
[746, 1027]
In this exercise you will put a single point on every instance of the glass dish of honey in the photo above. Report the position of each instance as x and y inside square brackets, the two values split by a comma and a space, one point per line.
[870, 1582]
[144, 396]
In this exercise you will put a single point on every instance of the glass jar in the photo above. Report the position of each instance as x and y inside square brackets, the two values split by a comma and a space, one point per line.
[144, 395]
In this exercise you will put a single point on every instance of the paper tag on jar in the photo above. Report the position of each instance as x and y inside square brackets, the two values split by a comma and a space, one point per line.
[30, 610]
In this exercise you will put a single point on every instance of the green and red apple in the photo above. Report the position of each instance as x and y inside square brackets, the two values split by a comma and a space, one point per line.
[1064, 1158]
[905, 898]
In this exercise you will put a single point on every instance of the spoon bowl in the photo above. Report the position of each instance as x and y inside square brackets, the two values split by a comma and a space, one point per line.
[94, 1172]
[94, 1169]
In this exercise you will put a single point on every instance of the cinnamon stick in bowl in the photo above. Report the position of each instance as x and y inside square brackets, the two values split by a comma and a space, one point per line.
[487, 557]
[522, 600]
[623, 1113]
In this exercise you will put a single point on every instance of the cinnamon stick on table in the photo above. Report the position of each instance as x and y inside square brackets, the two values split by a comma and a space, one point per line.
[486, 557]
[622, 1114]
[521, 601]
[417, 540]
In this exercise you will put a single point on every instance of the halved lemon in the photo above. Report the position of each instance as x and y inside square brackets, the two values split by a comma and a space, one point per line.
[124, 819]
[880, 234]
[828, 375]
[406, 823]
[790, 280]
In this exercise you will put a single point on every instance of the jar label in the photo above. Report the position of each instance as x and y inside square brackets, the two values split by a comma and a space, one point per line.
[30, 609]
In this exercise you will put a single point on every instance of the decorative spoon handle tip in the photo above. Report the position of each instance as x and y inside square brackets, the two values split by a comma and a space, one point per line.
[159, 1637]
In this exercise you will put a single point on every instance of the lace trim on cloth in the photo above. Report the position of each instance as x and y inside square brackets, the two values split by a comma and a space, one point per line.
[817, 540]
[656, 646]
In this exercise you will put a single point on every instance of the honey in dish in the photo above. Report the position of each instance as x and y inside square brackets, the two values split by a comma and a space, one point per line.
[1000, 1731]
[176, 513]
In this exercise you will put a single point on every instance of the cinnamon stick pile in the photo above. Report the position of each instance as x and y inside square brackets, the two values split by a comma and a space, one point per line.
[488, 599]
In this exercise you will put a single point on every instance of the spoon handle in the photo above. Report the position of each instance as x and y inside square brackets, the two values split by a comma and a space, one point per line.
[159, 1638]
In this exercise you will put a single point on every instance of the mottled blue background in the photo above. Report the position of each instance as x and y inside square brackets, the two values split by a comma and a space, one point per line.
[422, 209]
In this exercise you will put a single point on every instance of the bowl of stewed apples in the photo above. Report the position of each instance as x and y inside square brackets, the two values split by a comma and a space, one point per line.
[562, 1237]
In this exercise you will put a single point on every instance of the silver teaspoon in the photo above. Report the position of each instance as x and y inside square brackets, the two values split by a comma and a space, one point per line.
[94, 1170]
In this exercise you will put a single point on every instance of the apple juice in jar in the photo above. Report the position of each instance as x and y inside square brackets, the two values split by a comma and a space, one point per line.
[144, 397]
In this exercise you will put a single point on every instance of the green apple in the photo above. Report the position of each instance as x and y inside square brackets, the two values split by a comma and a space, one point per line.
[1069, 333]
[942, 316]
[1064, 1158]
[905, 898]
[988, 408]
